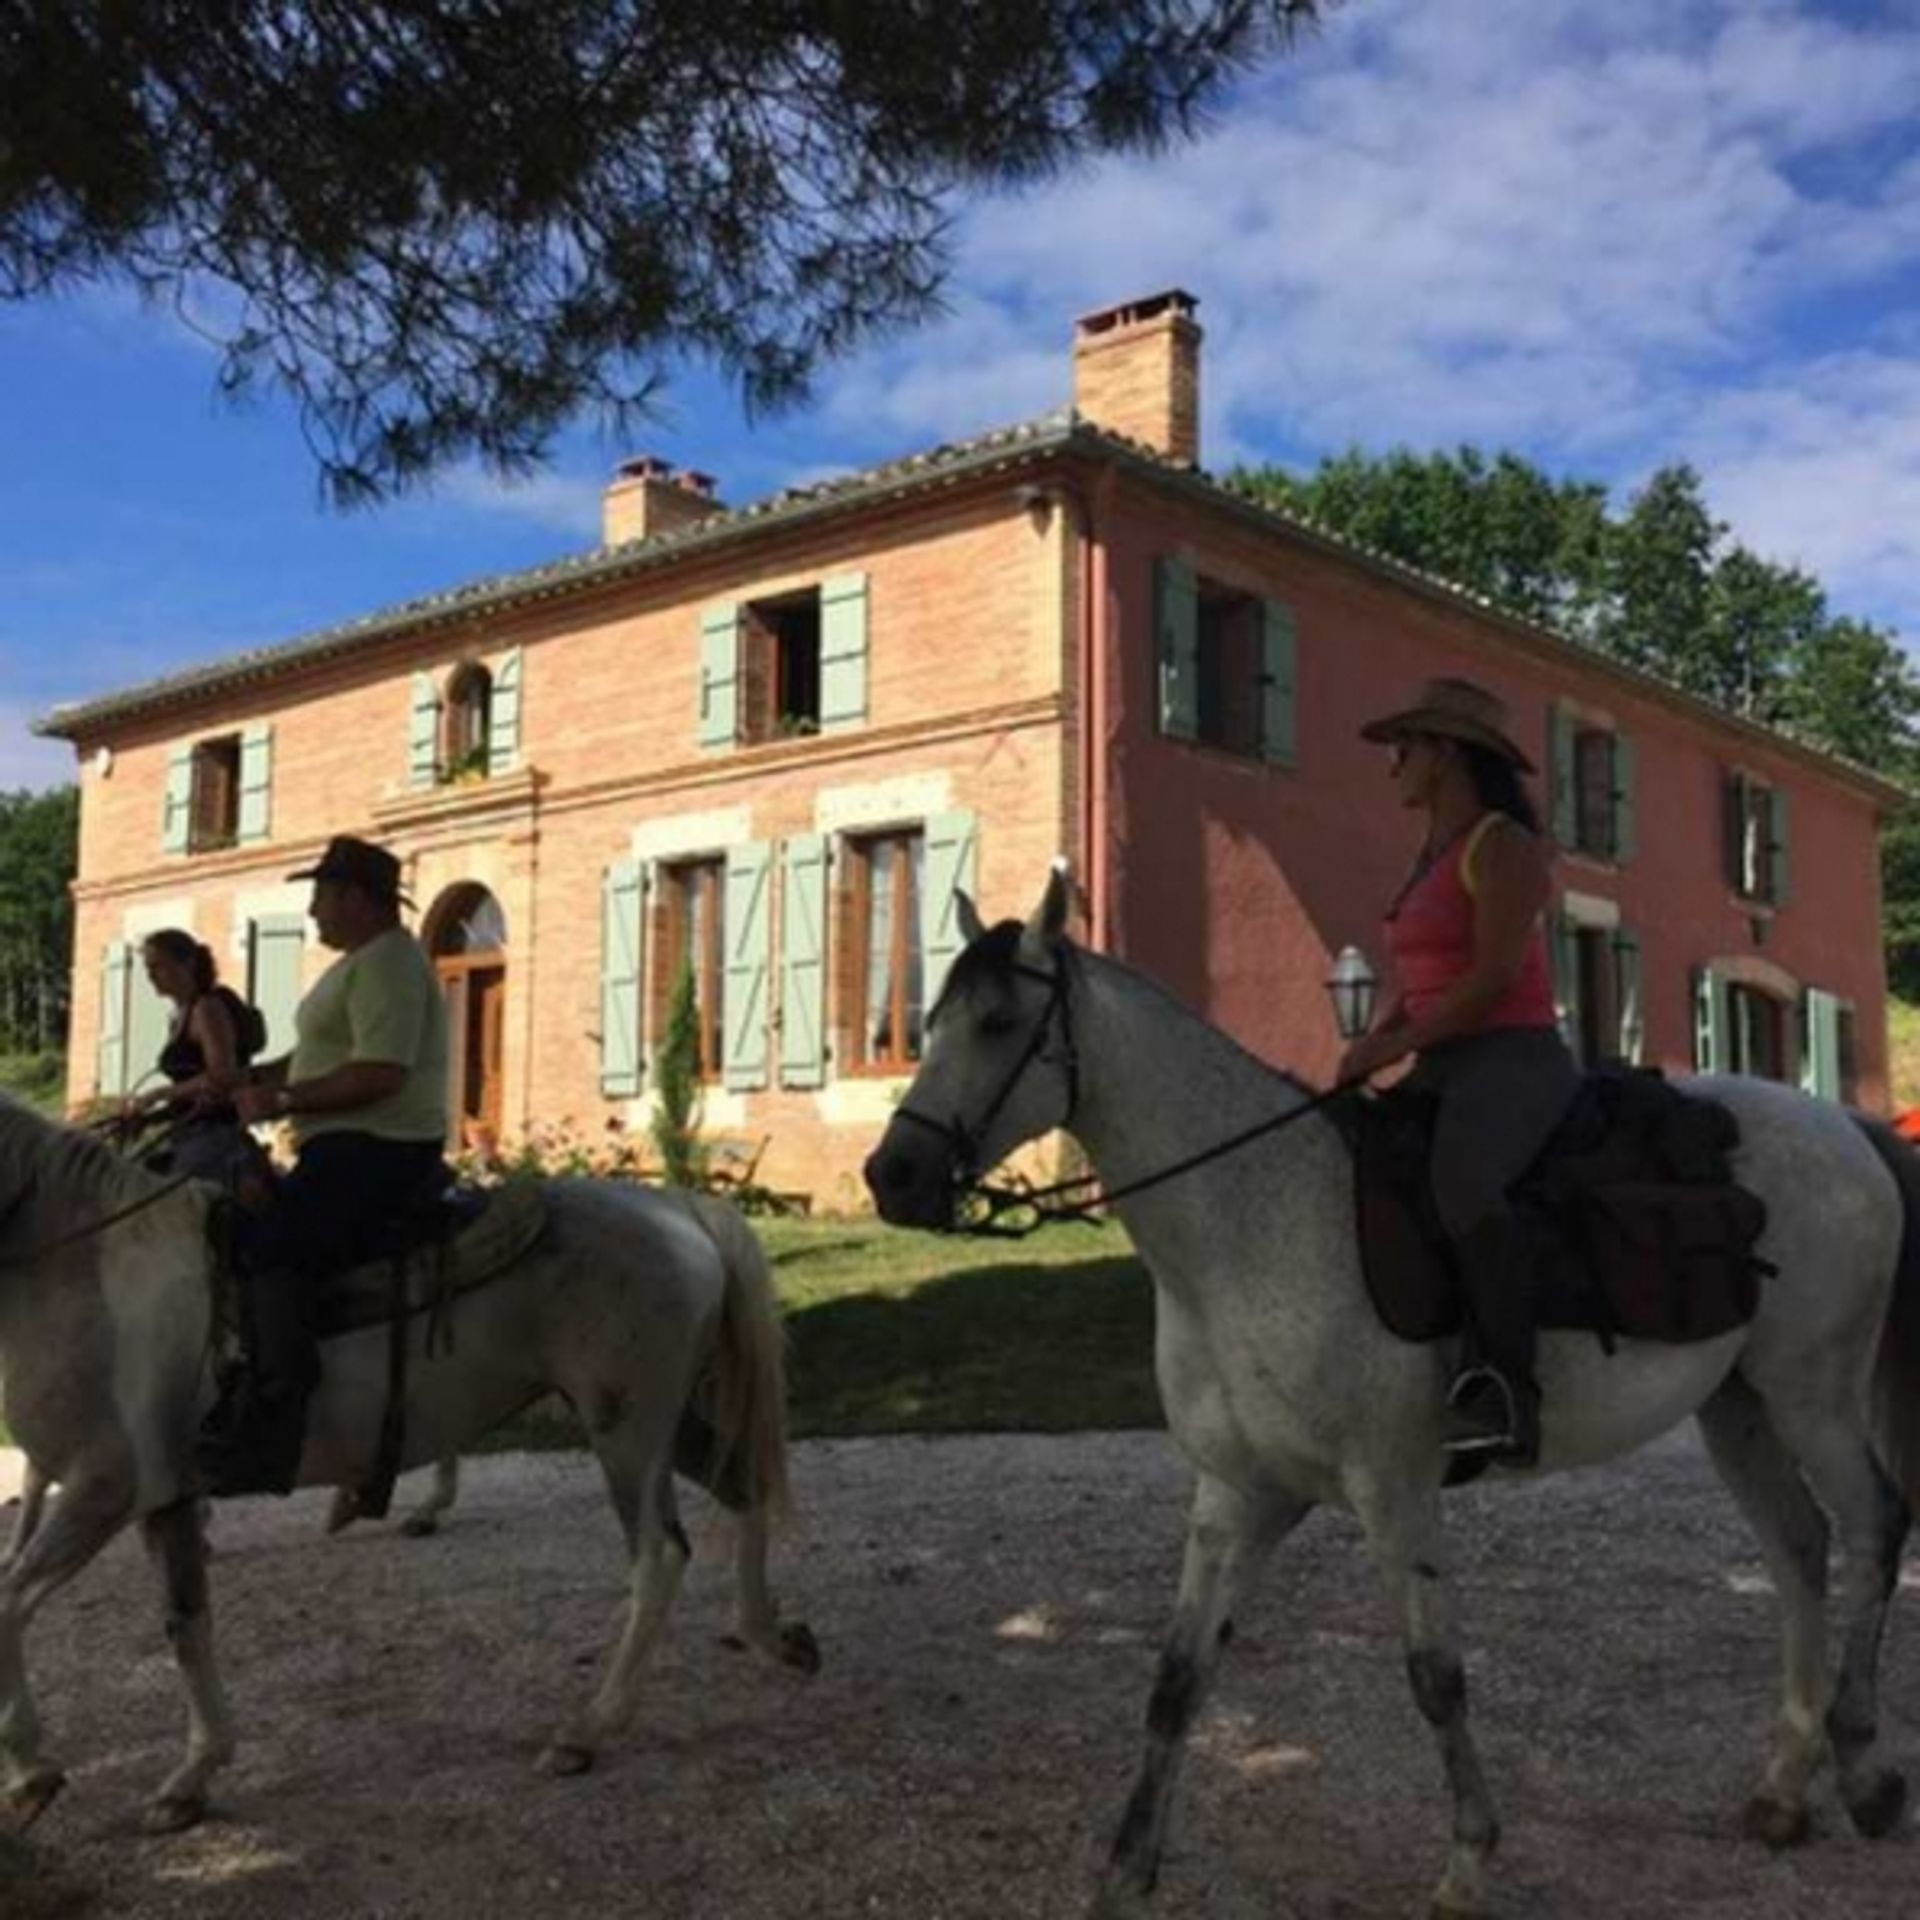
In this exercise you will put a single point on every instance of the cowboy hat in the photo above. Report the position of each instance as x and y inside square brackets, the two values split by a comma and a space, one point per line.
[1454, 710]
[357, 863]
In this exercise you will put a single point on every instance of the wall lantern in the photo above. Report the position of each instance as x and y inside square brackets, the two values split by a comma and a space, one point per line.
[1353, 986]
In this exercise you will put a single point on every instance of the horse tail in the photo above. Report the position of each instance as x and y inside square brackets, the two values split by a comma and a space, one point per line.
[1896, 1375]
[748, 1414]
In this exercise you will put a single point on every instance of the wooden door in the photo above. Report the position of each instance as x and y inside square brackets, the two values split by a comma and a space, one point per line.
[476, 990]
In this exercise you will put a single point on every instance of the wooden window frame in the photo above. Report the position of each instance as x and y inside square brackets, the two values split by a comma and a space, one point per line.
[1595, 802]
[857, 947]
[466, 713]
[215, 789]
[706, 873]
[1754, 830]
[1741, 993]
[775, 693]
[1229, 668]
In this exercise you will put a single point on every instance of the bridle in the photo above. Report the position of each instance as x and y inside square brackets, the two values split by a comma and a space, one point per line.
[981, 1208]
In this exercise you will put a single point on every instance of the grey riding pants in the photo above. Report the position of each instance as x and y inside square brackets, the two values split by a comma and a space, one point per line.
[1501, 1094]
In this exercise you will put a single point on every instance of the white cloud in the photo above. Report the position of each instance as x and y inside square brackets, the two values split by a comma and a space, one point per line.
[1599, 235]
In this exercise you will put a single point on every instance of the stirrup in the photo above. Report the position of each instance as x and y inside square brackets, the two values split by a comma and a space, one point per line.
[1494, 1429]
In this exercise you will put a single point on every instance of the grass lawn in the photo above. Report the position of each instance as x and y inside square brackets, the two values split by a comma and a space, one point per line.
[39, 1079]
[897, 1332]
[1903, 1053]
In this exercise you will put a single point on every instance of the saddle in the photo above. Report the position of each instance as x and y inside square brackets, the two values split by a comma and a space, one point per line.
[1639, 1227]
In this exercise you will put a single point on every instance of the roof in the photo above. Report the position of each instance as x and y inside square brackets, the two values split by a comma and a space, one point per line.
[1026, 443]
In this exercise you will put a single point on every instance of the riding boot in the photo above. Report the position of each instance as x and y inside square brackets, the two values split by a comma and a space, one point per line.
[1493, 1405]
[253, 1443]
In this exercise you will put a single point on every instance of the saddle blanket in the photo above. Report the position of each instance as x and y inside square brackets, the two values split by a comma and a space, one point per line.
[1639, 1226]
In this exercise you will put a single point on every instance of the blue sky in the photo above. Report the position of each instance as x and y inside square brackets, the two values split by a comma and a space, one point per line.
[1609, 237]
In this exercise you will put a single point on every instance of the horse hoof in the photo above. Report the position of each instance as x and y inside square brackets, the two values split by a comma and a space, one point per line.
[33, 1796]
[173, 1813]
[1877, 1812]
[344, 1511]
[562, 1761]
[798, 1648]
[420, 1526]
[1776, 1826]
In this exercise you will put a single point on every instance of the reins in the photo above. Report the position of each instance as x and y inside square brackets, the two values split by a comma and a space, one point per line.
[92, 1227]
[982, 1208]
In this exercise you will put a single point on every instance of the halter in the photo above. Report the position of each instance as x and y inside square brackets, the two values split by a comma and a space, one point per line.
[986, 1206]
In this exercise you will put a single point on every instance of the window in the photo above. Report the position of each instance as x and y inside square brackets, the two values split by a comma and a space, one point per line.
[1756, 839]
[465, 725]
[1597, 1035]
[1594, 792]
[692, 917]
[1756, 1033]
[887, 964]
[1596, 980]
[215, 817]
[780, 667]
[1227, 687]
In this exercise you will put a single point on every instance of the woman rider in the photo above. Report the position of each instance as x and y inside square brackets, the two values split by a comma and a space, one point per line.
[1474, 1006]
[205, 1058]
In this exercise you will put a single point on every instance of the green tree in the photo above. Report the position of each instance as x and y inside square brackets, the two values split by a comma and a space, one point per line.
[445, 228]
[39, 855]
[676, 1085]
[1659, 566]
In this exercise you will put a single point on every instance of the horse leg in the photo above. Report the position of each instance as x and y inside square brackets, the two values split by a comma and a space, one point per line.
[90, 1511]
[637, 1459]
[1409, 1544]
[757, 1622]
[1228, 1536]
[425, 1518]
[1872, 1520]
[174, 1541]
[1792, 1531]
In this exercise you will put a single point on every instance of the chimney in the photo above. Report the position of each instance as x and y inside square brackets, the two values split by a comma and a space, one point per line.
[1136, 372]
[646, 497]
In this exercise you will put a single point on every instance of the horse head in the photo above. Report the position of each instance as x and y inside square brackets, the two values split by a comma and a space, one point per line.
[999, 1067]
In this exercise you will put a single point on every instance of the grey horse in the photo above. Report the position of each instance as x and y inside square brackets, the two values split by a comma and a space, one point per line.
[1284, 1389]
[652, 1313]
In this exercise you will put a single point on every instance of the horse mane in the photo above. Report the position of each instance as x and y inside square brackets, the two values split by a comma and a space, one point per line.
[64, 1169]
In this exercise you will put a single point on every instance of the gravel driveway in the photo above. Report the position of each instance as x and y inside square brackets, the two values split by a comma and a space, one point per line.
[989, 1609]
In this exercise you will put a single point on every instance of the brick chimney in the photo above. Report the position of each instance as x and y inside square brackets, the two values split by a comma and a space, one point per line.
[1136, 371]
[646, 497]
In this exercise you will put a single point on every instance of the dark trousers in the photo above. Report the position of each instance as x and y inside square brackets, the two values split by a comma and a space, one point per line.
[325, 1215]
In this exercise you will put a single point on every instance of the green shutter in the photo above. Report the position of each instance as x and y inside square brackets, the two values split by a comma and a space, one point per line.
[1564, 944]
[1625, 826]
[1632, 1039]
[177, 824]
[423, 765]
[1710, 1035]
[276, 945]
[622, 924]
[748, 932]
[149, 1018]
[952, 855]
[116, 964]
[803, 953]
[503, 717]
[1279, 684]
[1563, 773]
[1820, 1059]
[256, 783]
[719, 676]
[1777, 867]
[843, 651]
[1177, 635]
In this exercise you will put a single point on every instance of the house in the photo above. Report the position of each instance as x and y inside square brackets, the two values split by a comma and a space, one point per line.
[765, 743]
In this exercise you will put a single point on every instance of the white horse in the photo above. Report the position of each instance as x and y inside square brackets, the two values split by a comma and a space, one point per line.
[1285, 1390]
[652, 1313]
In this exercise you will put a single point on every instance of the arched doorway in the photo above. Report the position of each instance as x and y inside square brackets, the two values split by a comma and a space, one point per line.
[466, 933]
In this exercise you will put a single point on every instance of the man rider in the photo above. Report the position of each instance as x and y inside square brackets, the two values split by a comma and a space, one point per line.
[365, 1094]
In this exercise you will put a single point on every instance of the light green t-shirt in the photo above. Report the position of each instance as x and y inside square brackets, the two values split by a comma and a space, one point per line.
[379, 1002]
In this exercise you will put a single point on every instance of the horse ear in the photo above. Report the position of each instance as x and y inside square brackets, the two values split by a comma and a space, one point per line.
[1049, 922]
[968, 915]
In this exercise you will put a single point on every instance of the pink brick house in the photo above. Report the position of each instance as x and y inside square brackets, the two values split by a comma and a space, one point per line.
[766, 743]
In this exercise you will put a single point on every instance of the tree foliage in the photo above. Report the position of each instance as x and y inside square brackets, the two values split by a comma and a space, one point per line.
[39, 855]
[676, 1085]
[444, 229]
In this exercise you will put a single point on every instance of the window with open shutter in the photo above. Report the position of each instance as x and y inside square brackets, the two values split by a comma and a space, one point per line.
[749, 930]
[149, 1020]
[423, 738]
[1279, 685]
[116, 965]
[720, 676]
[503, 716]
[276, 945]
[843, 651]
[1625, 813]
[803, 952]
[1632, 1017]
[952, 851]
[621, 922]
[1820, 1044]
[177, 825]
[256, 784]
[1711, 1049]
[1177, 640]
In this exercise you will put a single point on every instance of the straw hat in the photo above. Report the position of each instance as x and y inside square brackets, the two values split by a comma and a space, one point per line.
[1456, 710]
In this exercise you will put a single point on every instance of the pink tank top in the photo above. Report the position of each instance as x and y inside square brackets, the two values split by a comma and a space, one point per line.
[1430, 935]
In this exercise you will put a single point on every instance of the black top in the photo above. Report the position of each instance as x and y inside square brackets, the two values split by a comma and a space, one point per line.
[183, 1058]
